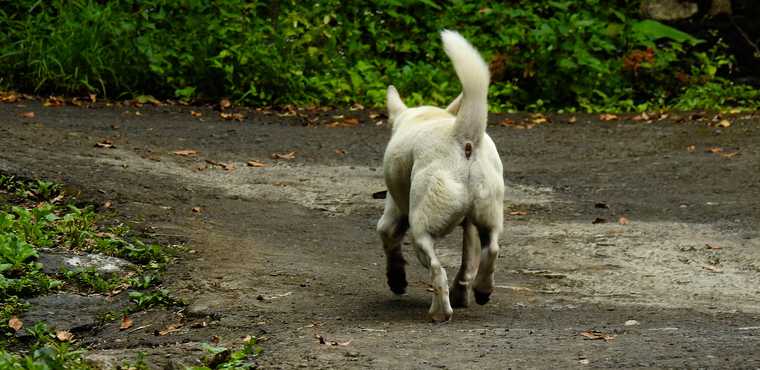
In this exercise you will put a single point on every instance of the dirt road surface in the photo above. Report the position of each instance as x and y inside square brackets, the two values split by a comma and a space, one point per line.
[288, 251]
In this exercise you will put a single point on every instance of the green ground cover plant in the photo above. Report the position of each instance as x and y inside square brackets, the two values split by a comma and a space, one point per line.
[587, 55]
[37, 216]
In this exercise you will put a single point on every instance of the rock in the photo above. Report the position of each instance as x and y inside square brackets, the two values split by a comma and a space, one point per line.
[667, 10]
[720, 6]
[71, 262]
[71, 312]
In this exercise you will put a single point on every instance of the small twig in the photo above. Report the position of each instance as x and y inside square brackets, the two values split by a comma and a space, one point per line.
[746, 37]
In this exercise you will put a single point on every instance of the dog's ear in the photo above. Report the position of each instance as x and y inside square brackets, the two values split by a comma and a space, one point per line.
[453, 108]
[395, 105]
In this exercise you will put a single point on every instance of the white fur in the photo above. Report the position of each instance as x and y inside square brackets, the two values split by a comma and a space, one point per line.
[434, 186]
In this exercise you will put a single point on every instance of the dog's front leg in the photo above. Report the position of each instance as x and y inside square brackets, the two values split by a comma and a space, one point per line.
[424, 245]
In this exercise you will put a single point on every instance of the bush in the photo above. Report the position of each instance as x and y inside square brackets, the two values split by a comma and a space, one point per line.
[551, 55]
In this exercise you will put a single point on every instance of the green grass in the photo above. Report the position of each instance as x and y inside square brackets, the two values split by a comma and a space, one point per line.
[36, 214]
[545, 55]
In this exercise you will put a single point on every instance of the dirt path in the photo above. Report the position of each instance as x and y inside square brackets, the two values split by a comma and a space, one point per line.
[289, 251]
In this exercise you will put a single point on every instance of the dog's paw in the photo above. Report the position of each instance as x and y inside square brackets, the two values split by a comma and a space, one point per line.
[397, 282]
[482, 298]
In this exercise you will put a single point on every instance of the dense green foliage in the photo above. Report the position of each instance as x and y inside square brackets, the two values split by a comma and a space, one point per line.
[549, 55]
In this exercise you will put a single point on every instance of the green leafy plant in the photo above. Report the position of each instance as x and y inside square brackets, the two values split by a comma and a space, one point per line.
[224, 358]
[545, 55]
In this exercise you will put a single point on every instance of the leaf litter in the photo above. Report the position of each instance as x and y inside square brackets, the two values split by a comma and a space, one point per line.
[324, 341]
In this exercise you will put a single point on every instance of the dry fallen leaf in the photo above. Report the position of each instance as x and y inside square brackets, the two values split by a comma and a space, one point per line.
[172, 328]
[155, 159]
[518, 213]
[290, 155]
[325, 342]
[232, 117]
[584, 362]
[712, 268]
[732, 154]
[723, 123]
[715, 150]
[63, 336]
[598, 221]
[195, 209]
[185, 152]
[572, 120]
[227, 167]
[340, 151]
[714, 246]
[358, 106]
[15, 324]
[257, 164]
[126, 323]
[349, 121]
[641, 117]
[507, 122]
[374, 115]
[197, 114]
[623, 221]
[691, 147]
[597, 335]
[27, 115]
[608, 117]
[106, 144]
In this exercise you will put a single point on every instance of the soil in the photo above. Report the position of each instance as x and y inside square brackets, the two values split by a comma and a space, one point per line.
[289, 251]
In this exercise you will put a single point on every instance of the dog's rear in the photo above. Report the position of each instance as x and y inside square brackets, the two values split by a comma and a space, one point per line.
[443, 170]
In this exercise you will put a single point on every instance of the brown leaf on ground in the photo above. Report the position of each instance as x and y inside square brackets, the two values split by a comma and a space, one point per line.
[584, 361]
[732, 154]
[194, 113]
[623, 221]
[712, 268]
[173, 328]
[691, 147]
[27, 115]
[227, 167]
[572, 120]
[713, 246]
[155, 159]
[232, 117]
[641, 117]
[63, 336]
[290, 155]
[185, 152]
[518, 213]
[723, 123]
[195, 209]
[507, 122]
[358, 106]
[257, 164]
[14, 323]
[374, 115]
[349, 121]
[126, 323]
[340, 151]
[313, 324]
[598, 221]
[105, 144]
[608, 117]
[325, 342]
[715, 150]
[199, 324]
[695, 117]
[597, 335]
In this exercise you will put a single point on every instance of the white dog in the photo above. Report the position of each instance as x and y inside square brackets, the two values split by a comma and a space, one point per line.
[443, 170]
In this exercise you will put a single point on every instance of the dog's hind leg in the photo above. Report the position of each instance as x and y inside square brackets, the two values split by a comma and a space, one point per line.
[424, 245]
[483, 285]
[392, 227]
[461, 290]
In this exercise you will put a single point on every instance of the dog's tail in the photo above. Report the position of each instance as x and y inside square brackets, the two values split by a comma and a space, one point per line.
[470, 125]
